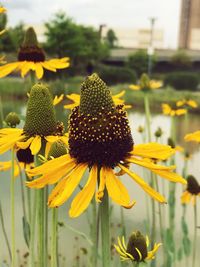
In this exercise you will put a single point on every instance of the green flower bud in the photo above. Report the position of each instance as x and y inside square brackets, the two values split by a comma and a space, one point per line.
[57, 149]
[12, 119]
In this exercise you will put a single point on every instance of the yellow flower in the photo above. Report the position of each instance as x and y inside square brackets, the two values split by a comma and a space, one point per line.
[192, 191]
[40, 125]
[193, 137]
[167, 110]
[76, 100]
[32, 58]
[100, 140]
[2, 9]
[187, 103]
[58, 99]
[146, 84]
[24, 161]
[136, 249]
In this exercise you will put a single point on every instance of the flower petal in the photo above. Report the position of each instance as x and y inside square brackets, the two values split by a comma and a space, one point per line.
[157, 196]
[84, 197]
[153, 151]
[39, 70]
[66, 187]
[35, 145]
[116, 190]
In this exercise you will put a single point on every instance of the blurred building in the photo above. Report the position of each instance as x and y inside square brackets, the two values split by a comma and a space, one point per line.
[137, 38]
[189, 36]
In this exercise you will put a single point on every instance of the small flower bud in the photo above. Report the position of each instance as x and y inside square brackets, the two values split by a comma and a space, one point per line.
[12, 119]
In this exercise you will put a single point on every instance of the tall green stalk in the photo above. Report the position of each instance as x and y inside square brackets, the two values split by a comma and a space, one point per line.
[148, 116]
[105, 231]
[12, 193]
[4, 233]
[32, 229]
[195, 236]
[54, 238]
[94, 232]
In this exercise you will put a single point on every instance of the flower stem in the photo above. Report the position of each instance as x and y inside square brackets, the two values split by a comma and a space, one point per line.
[12, 193]
[148, 116]
[105, 231]
[4, 232]
[195, 235]
[54, 236]
[94, 233]
[32, 229]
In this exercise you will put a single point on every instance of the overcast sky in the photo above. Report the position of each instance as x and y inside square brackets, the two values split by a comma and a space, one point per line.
[113, 13]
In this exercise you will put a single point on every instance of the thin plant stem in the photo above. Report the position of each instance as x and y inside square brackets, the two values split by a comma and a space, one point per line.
[105, 231]
[32, 229]
[123, 222]
[94, 233]
[4, 233]
[12, 193]
[54, 238]
[148, 116]
[1, 113]
[195, 236]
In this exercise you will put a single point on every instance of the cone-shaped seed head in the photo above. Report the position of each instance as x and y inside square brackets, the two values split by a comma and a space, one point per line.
[30, 50]
[193, 186]
[30, 38]
[57, 149]
[95, 95]
[40, 115]
[137, 240]
[144, 81]
[12, 119]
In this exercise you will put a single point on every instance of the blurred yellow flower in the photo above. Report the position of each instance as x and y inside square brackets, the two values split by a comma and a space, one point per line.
[146, 84]
[2, 9]
[167, 110]
[192, 191]
[58, 99]
[187, 103]
[193, 137]
[137, 248]
[32, 58]
[75, 98]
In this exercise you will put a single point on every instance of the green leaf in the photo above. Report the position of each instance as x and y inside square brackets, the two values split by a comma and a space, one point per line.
[26, 230]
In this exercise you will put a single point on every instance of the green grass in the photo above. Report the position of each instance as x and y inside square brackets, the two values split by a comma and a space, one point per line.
[16, 88]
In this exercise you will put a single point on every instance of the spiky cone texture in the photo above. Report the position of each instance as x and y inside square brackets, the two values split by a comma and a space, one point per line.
[136, 249]
[100, 137]
[192, 190]
[31, 57]
[40, 125]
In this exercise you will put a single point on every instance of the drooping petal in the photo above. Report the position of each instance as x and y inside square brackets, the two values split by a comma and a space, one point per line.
[171, 176]
[53, 176]
[57, 99]
[36, 145]
[60, 194]
[39, 70]
[50, 166]
[151, 254]
[84, 197]
[153, 151]
[195, 136]
[25, 144]
[8, 68]
[149, 165]
[144, 185]
[116, 190]
[186, 197]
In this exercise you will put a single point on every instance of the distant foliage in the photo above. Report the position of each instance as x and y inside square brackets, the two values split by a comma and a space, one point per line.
[13, 37]
[182, 80]
[111, 38]
[139, 62]
[181, 60]
[114, 75]
[66, 38]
